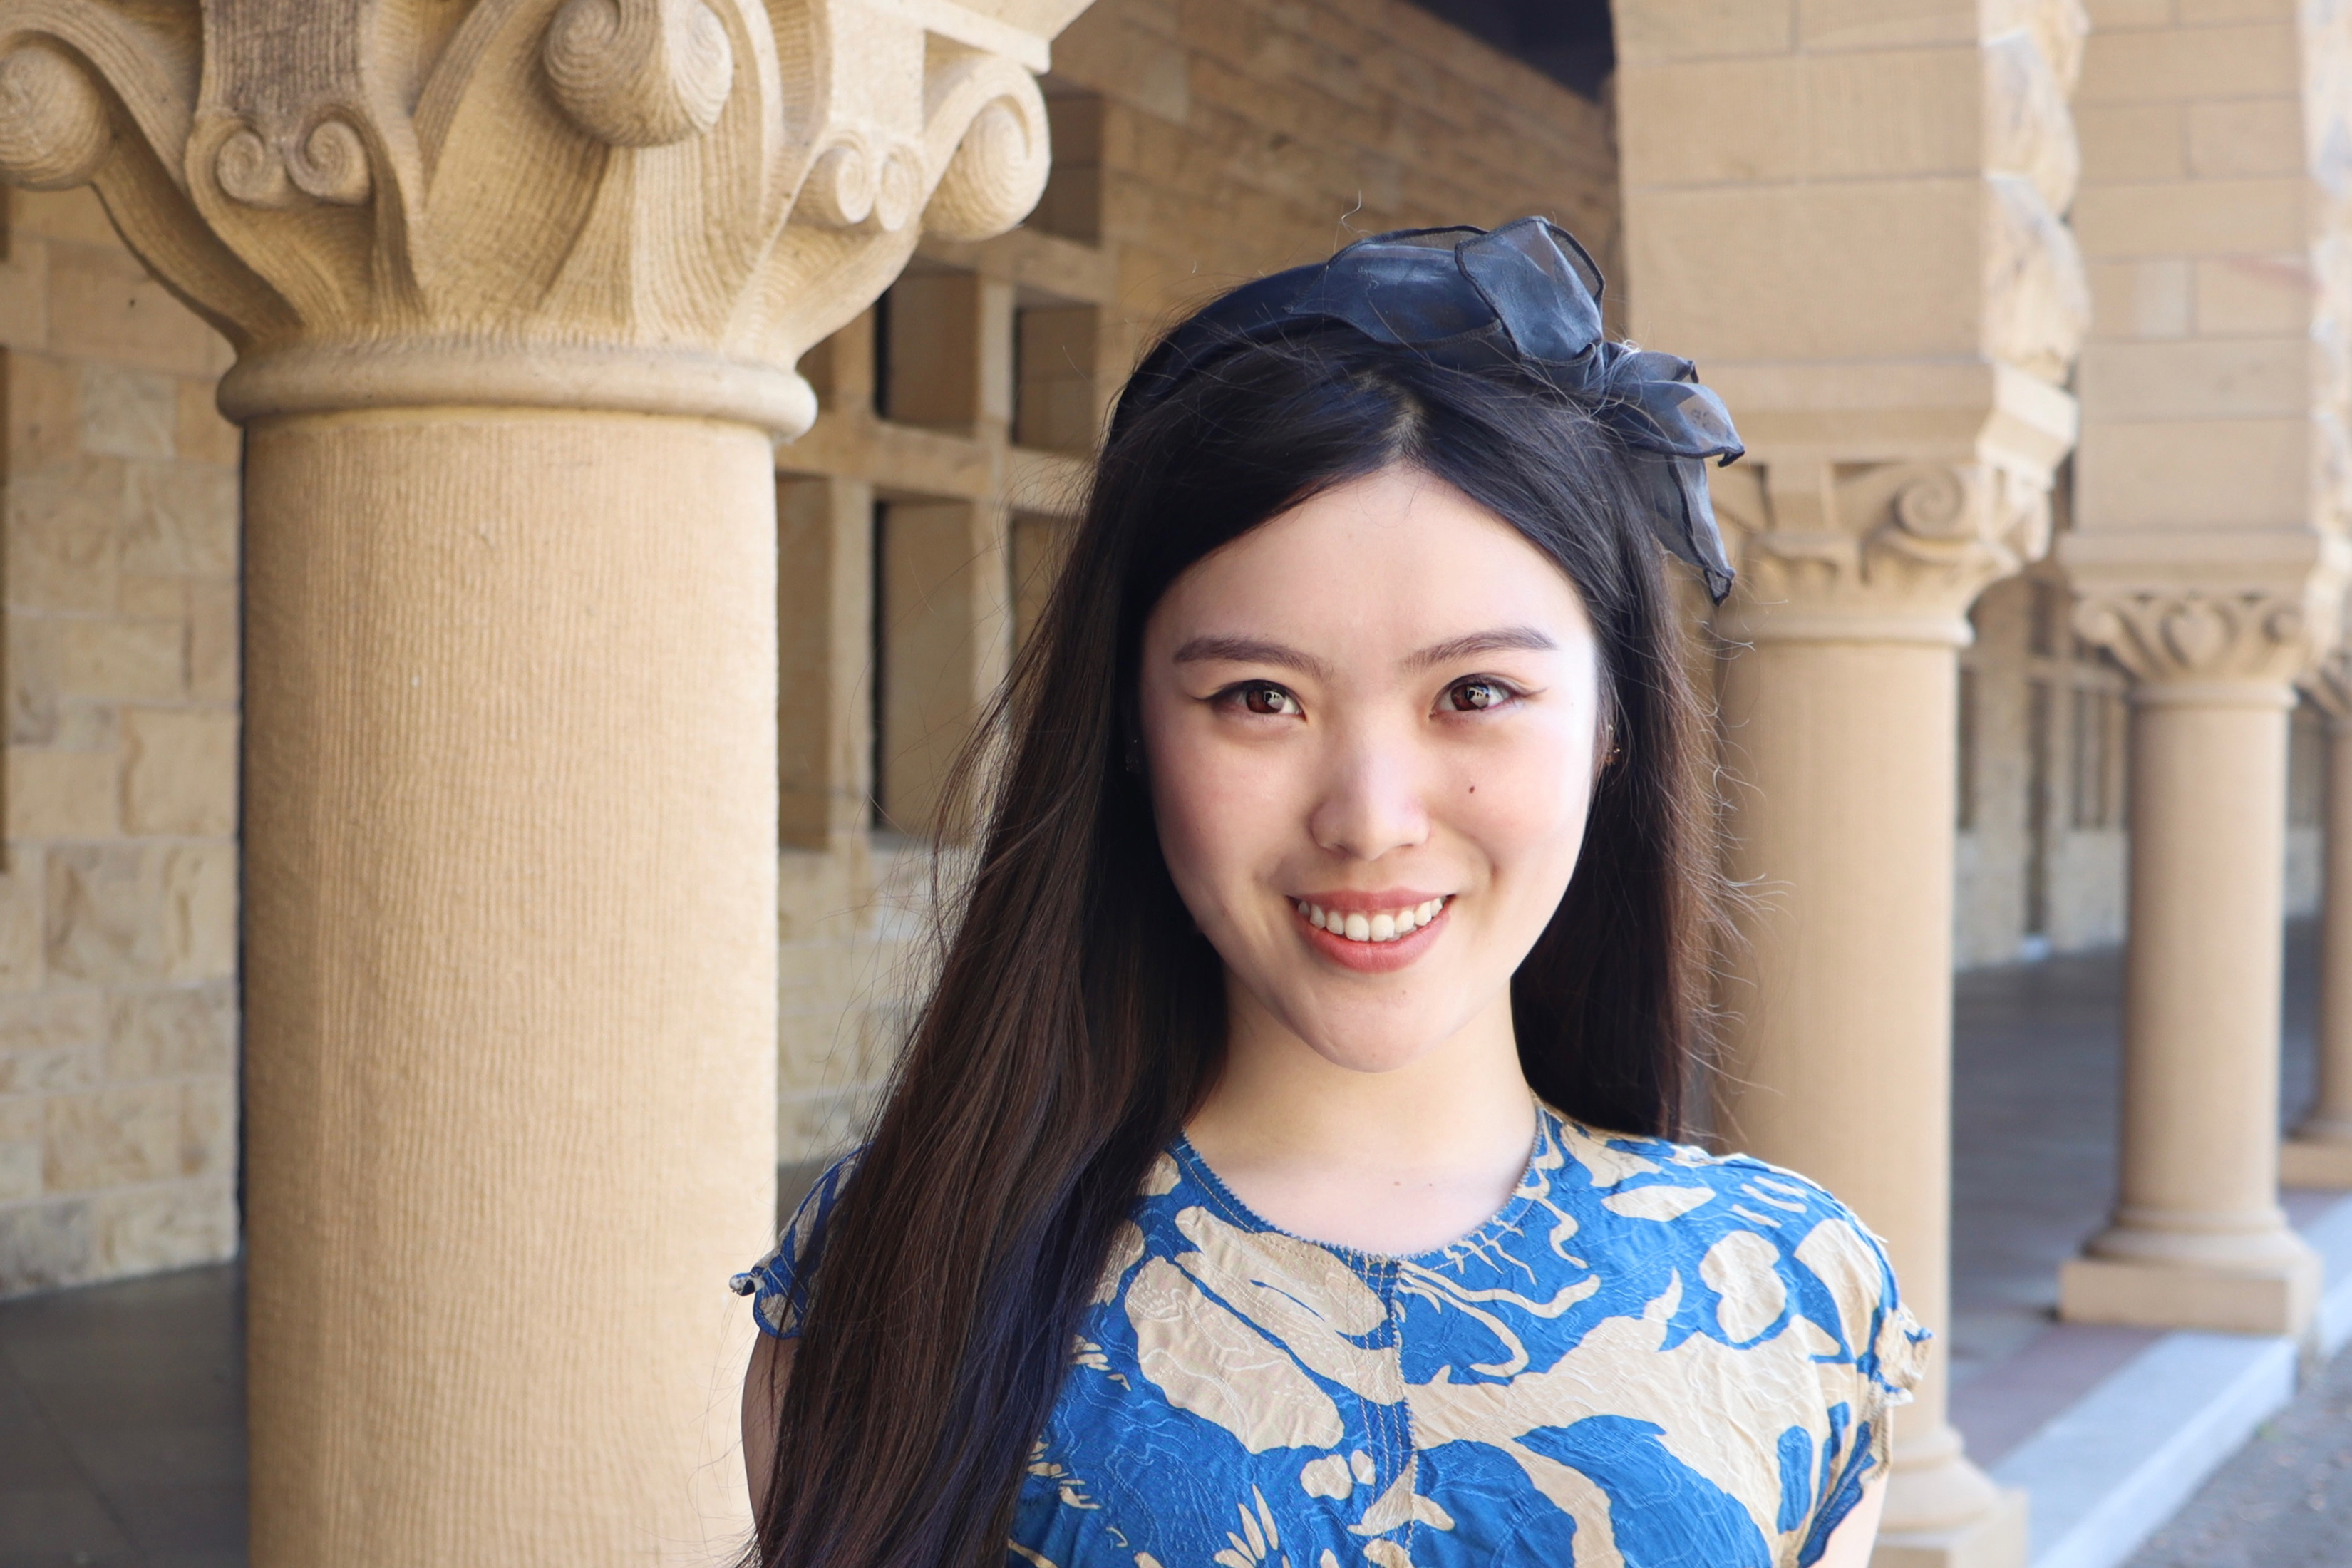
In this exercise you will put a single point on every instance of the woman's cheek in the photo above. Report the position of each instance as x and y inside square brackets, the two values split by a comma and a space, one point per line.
[1214, 808]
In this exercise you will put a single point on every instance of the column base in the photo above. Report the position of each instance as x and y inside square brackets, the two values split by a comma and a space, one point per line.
[2277, 1298]
[1993, 1540]
[2308, 1162]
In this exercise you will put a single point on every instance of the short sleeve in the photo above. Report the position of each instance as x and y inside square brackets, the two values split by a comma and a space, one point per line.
[778, 1283]
[1886, 1355]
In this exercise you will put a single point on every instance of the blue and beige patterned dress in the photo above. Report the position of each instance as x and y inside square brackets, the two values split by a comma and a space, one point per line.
[1651, 1357]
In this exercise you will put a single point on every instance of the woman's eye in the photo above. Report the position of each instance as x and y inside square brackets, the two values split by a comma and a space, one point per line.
[1476, 695]
[1264, 697]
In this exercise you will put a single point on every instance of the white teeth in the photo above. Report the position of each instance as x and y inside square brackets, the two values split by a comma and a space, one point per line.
[1386, 925]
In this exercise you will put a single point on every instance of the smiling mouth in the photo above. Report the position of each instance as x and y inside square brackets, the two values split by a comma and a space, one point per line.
[1375, 925]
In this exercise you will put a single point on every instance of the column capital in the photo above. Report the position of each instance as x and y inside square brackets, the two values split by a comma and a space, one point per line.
[2202, 617]
[650, 205]
[1884, 551]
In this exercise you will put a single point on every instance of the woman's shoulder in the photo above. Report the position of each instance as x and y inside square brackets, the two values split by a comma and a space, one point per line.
[1741, 1223]
[778, 1283]
[1644, 1177]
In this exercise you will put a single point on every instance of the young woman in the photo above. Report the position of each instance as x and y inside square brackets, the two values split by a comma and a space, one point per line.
[1281, 1171]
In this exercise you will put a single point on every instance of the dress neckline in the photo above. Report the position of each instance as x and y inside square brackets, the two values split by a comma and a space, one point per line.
[1504, 1221]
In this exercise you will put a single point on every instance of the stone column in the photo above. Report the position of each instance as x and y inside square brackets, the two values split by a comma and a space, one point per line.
[2320, 1151]
[2198, 1238]
[516, 288]
[1882, 290]
[2209, 555]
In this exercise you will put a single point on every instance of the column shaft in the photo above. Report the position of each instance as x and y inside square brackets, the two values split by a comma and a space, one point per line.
[510, 853]
[2320, 1153]
[2198, 1238]
[1840, 1059]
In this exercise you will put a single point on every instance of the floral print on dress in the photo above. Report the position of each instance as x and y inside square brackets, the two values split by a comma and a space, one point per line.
[1653, 1357]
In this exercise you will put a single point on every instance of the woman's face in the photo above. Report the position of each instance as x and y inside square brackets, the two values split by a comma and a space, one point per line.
[1371, 729]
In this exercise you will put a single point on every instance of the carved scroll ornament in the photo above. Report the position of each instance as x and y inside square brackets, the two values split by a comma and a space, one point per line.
[2217, 638]
[1875, 552]
[650, 204]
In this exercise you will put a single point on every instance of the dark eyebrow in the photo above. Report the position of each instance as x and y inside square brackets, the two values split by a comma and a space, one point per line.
[1523, 637]
[1250, 650]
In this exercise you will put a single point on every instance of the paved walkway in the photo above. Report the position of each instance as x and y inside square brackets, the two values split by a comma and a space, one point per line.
[2285, 1501]
[122, 1410]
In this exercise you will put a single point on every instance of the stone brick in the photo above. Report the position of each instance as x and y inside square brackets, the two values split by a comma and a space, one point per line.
[209, 1127]
[64, 526]
[2200, 13]
[48, 1069]
[88, 726]
[128, 413]
[2231, 379]
[120, 660]
[2183, 63]
[39, 392]
[105, 907]
[199, 914]
[23, 890]
[2197, 217]
[115, 1137]
[212, 641]
[2260, 136]
[152, 598]
[1786, 116]
[2141, 300]
[175, 1226]
[171, 1033]
[20, 1171]
[2212, 473]
[2133, 141]
[63, 795]
[1724, 256]
[103, 306]
[200, 435]
[2255, 294]
[179, 772]
[1697, 29]
[180, 518]
[46, 1245]
[60, 1019]
[31, 669]
[1884, 24]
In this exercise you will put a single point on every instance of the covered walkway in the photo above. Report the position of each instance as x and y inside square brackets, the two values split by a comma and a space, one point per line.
[121, 1419]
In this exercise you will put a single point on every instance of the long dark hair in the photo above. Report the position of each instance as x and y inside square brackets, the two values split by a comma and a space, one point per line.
[1079, 1016]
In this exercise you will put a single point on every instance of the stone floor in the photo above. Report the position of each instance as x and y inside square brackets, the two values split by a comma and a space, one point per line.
[122, 1425]
[122, 1405]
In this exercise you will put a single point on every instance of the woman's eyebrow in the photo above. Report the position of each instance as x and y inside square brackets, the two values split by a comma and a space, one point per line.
[1251, 650]
[1526, 638]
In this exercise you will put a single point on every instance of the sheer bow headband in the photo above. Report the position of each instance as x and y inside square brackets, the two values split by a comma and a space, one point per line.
[1525, 296]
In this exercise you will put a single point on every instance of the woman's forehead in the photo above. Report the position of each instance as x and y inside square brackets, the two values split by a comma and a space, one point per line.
[1397, 556]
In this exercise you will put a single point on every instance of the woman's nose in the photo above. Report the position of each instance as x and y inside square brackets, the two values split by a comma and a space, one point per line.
[1372, 799]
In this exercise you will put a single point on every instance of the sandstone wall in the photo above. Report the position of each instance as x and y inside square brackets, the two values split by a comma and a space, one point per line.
[117, 898]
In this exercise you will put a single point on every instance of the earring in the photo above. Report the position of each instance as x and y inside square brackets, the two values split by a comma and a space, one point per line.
[1135, 755]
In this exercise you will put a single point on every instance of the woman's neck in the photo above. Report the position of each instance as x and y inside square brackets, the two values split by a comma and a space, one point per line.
[1398, 1161]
